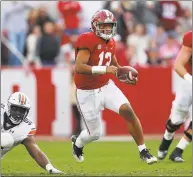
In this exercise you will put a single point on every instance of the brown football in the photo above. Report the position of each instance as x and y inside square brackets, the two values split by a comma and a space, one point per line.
[127, 72]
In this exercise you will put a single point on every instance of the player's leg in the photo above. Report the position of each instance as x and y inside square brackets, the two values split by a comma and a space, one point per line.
[89, 106]
[121, 105]
[179, 113]
[176, 155]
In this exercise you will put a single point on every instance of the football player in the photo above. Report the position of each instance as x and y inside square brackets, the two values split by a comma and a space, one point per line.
[95, 59]
[15, 120]
[181, 104]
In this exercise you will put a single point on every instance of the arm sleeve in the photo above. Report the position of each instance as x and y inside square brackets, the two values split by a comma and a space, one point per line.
[187, 39]
[60, 6]
[76, 7]
[32, 132]
[84, 42]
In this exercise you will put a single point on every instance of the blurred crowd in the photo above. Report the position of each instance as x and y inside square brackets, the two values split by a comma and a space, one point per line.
[149, 32]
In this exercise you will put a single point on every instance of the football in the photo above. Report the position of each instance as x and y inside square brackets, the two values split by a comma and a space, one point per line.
[127, 73]
[7, 140]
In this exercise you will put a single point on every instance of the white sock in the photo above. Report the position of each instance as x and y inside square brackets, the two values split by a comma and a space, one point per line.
[141, 147]
[183, 143]
[83, 139]
[168, 135]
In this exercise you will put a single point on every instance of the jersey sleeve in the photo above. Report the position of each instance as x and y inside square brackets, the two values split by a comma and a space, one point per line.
[28, 128]
[32, 132]
[31, 129]
[187, 39]
[84, 41]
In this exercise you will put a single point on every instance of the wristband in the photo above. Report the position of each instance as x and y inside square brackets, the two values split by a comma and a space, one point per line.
[99, 70]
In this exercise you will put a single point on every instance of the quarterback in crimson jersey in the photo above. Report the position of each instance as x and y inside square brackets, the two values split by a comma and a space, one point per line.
[16, 123]
[181, 105]
[95, 59]
[101, 54]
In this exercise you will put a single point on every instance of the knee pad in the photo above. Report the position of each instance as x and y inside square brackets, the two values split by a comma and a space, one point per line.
[188, 132]
[172, 127]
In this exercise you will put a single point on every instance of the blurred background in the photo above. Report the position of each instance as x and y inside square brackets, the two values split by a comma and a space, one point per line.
[37, 57]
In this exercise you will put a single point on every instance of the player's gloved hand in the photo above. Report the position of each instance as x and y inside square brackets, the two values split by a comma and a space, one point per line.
[112, 70]
[50, 169]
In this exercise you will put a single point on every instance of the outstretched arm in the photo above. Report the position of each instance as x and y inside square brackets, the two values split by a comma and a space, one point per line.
[35, 152]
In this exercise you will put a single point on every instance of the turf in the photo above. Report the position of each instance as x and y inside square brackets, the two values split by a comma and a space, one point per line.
[101, 159]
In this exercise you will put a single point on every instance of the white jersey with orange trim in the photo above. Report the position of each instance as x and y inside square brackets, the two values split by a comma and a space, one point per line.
[19, 132]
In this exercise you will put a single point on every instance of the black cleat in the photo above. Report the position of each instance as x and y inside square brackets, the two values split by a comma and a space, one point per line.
[163, 148]
[176, 155]
[77, 152]
[147, 157]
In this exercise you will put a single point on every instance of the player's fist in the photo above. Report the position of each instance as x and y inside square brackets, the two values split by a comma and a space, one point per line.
[112, 70]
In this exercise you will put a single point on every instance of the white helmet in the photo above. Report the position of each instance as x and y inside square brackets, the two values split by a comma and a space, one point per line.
[18, 107]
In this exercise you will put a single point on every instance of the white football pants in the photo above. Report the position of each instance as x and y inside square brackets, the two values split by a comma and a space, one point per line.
[92, 102]
[182, 104]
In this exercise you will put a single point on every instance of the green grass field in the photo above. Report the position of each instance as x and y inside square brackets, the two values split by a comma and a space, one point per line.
[101, 159]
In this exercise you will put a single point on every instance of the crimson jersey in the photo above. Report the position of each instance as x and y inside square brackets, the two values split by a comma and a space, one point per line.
[101, 54]
[187, 41]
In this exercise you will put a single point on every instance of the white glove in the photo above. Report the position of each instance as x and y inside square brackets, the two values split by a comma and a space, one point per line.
[50, 169]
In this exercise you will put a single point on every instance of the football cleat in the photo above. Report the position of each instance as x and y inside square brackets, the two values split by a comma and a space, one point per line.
[161, 154]
[147, 157]
[163, 148]
[77, 152]
[176, 155]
